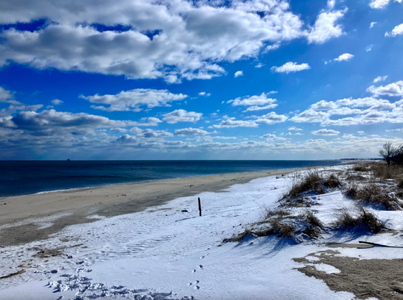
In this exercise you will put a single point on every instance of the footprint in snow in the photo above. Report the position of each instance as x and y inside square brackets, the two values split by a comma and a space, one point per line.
[201, 267]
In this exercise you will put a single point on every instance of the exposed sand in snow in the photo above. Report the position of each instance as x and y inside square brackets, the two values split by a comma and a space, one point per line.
[75, 206]
[380, 278]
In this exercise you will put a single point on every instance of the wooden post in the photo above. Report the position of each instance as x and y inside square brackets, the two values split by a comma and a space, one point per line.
[200, 212]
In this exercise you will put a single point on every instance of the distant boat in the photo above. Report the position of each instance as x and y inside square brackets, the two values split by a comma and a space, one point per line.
[68, 159]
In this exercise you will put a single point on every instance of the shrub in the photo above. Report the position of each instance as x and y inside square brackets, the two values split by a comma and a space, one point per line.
[381, 170]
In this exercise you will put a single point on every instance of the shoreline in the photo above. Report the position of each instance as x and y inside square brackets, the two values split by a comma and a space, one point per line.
[20, 214]
[106, 184]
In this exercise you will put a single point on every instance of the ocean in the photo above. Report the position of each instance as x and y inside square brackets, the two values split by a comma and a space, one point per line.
[29, 177]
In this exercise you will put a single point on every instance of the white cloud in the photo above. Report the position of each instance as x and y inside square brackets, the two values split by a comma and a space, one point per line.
[326, 27]
[293, 128]
[190, 132]
[326, 132]
[149, 133]
[181, 115]
[310, 116]
[372, 24]
[253, 100]
[271, 118]
[56, 102]
[231, 123]
[361, 111]
[257, 108]
[187, 42]
[7, 97]
[393, 89]
[205, 94]
[150, 121]
[369, 48]
[344, 57]
[273, 47]
[259, 65]
[331, 4]
[273, 137]
[134, 100]
[52, 122]
[290, 67]
[238, 73]
[380, 78]
[324, 105]
[398, 30]
[378, 4]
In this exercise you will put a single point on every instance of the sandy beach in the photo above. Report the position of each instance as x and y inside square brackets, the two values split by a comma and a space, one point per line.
[78, 206]
[147, 240]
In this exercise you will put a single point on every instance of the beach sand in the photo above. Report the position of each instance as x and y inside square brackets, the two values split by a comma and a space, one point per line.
[79, 206]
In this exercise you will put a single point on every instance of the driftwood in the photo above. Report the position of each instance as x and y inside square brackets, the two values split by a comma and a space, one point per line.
[380, 245]
[13, 274]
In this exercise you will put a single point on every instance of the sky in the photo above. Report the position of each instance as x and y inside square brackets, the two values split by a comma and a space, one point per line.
[177, 79]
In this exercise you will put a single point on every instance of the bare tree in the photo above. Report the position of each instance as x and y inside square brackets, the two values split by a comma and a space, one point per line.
[388, 152]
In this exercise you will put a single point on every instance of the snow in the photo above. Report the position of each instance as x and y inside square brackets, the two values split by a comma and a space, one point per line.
[163, 253]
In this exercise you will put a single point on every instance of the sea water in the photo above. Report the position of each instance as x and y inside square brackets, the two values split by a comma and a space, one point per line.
[28, 177]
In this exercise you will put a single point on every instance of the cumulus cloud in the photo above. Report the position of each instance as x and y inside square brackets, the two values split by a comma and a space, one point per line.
[54, 123]
[204, 94]
[257, 108]
[238, 73]
[253, 100]
[398, 30]
[372, 24]
[326, 132]
[273, 47]
[369, 48]
[273, 137]
[326, 27]
[150, 133]
[57, 102]
[331, 4]
[379, 4]
[369, 110]
[380, 78]
[190, 132]
[174, 40]
[134, 100]
[293, 128]
[290, 67]
[393, 89]
[231, 123]
[7, 97]
[271, 118]
[150, 121]
[181, 115]
[344, 57]
[324, 105]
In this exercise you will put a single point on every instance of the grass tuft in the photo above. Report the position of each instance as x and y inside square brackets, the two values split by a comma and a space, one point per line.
[311, 181]
[365, 220]
[374, 195]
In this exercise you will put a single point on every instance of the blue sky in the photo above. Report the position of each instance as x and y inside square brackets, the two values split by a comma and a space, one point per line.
[258, 79]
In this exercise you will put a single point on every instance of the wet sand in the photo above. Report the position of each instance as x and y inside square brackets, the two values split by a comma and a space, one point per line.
[18, 215]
